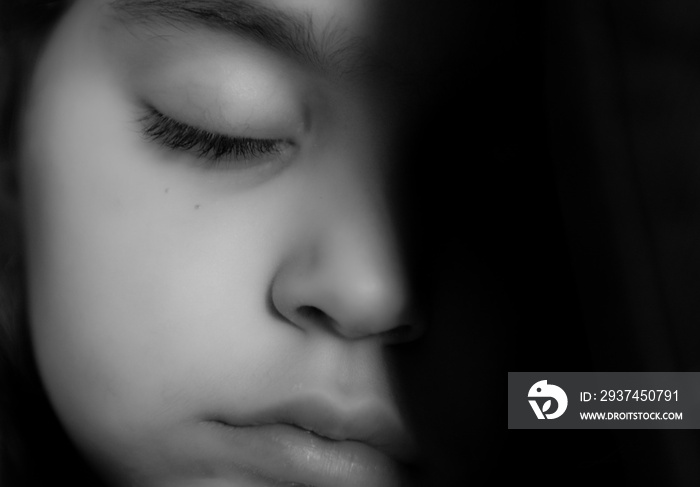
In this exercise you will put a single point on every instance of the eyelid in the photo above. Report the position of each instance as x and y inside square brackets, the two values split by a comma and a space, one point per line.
[212, 148]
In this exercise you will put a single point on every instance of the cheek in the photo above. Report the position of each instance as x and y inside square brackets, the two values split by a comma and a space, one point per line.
[148, 284]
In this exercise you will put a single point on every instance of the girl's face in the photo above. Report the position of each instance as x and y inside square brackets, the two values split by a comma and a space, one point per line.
[214, 267]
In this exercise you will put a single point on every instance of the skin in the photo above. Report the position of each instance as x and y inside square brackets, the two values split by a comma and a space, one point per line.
[163, 290]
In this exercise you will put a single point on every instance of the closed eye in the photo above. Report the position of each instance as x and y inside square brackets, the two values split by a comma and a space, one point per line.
[212, 148]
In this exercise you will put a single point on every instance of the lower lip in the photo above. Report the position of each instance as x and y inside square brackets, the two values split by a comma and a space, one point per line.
[284, 453]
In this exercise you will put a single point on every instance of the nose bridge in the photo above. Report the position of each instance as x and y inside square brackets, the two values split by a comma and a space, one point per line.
[348, 275]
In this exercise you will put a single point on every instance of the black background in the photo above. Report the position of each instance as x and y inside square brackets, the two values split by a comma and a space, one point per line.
[614, 90]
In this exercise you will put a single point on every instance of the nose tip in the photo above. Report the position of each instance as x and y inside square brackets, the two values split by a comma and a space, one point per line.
[355, 293]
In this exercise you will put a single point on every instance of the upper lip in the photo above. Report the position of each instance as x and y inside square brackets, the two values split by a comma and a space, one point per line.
[373, 423]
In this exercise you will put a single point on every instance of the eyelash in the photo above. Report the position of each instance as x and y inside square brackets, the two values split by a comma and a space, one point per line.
[208, 146]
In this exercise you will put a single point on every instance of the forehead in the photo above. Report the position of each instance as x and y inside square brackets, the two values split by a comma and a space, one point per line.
[338, 37]
[328, 35]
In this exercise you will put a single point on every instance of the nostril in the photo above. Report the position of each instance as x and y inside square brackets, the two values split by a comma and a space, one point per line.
[315, 315]
[399, 334]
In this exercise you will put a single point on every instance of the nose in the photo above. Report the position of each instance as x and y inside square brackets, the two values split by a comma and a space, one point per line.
[348, 277]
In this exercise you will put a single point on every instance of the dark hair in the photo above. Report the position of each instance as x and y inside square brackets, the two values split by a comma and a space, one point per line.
[34, 449]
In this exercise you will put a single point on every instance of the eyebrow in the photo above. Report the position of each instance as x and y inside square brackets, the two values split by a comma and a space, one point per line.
[330, 51]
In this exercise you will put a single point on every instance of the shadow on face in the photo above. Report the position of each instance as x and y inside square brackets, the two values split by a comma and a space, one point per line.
[482, 226]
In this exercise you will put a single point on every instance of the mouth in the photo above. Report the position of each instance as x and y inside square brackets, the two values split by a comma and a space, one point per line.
[313, 444]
